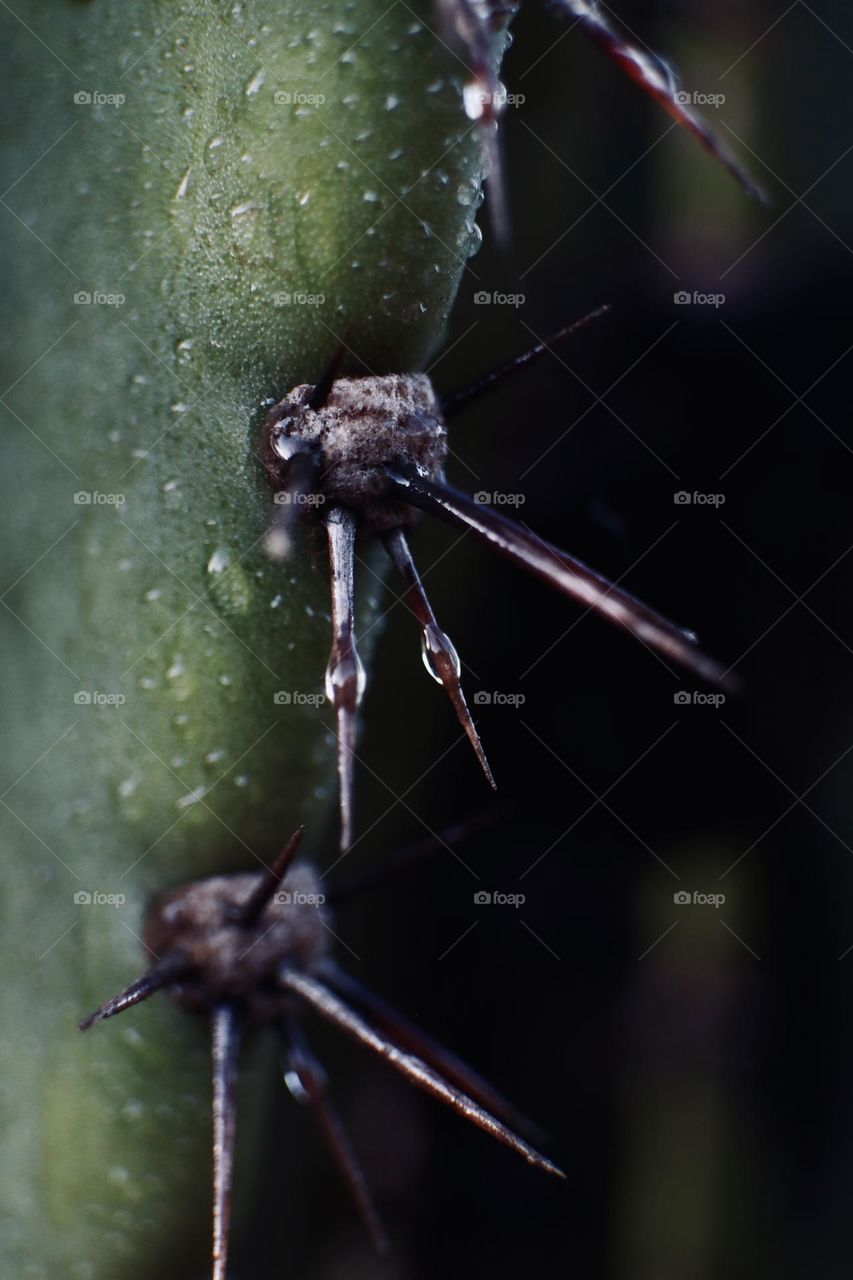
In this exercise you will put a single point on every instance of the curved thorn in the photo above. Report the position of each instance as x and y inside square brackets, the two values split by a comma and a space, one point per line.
[440, 657]
[558, 569]
[157, 977]
[459, 400]
[312, 1083]
[226, 1047]
[657, 79]
[345, 678]
[321, 998]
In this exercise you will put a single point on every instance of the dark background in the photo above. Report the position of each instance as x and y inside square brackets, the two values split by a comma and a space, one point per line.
[692, 1063]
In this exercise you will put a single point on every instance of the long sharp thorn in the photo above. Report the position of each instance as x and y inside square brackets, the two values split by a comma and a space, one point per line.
[270, 880]
[343, 891]
[321, 998]
[413, 1039]
[462, 23]
[459, 400]
[312, 1082]
[440, 657]
[345, 678]
[656, 78]
[327, 379]
[226, 1047]
[559, 570]
[154, 980]
[302, 471]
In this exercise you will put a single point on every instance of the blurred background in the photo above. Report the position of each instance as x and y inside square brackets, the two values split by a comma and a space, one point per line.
[691, 1061]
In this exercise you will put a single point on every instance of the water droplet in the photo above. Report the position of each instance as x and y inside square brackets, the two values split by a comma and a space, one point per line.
[191, 798]
[256, 83]
[392, 102]
[219, 561]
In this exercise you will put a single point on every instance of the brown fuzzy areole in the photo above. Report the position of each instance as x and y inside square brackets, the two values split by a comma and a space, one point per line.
[365, 425]
[227, 960]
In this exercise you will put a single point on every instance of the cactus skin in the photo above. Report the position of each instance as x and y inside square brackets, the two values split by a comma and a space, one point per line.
[199, 198]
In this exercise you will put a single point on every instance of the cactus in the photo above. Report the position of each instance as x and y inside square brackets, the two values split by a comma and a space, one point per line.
[200, 201]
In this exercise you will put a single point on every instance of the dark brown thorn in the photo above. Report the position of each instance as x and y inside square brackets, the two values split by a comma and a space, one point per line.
[321, 998]
[312, 1082]
[559, 570]
[413, 1039]
[270, 879]
[462, 23]
[461, 399]
[345, 677]
[363, 881]
[157, 977]
[226, 1033]
[303, 463]
[327, 379]
[440, 657]
[653, 75]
